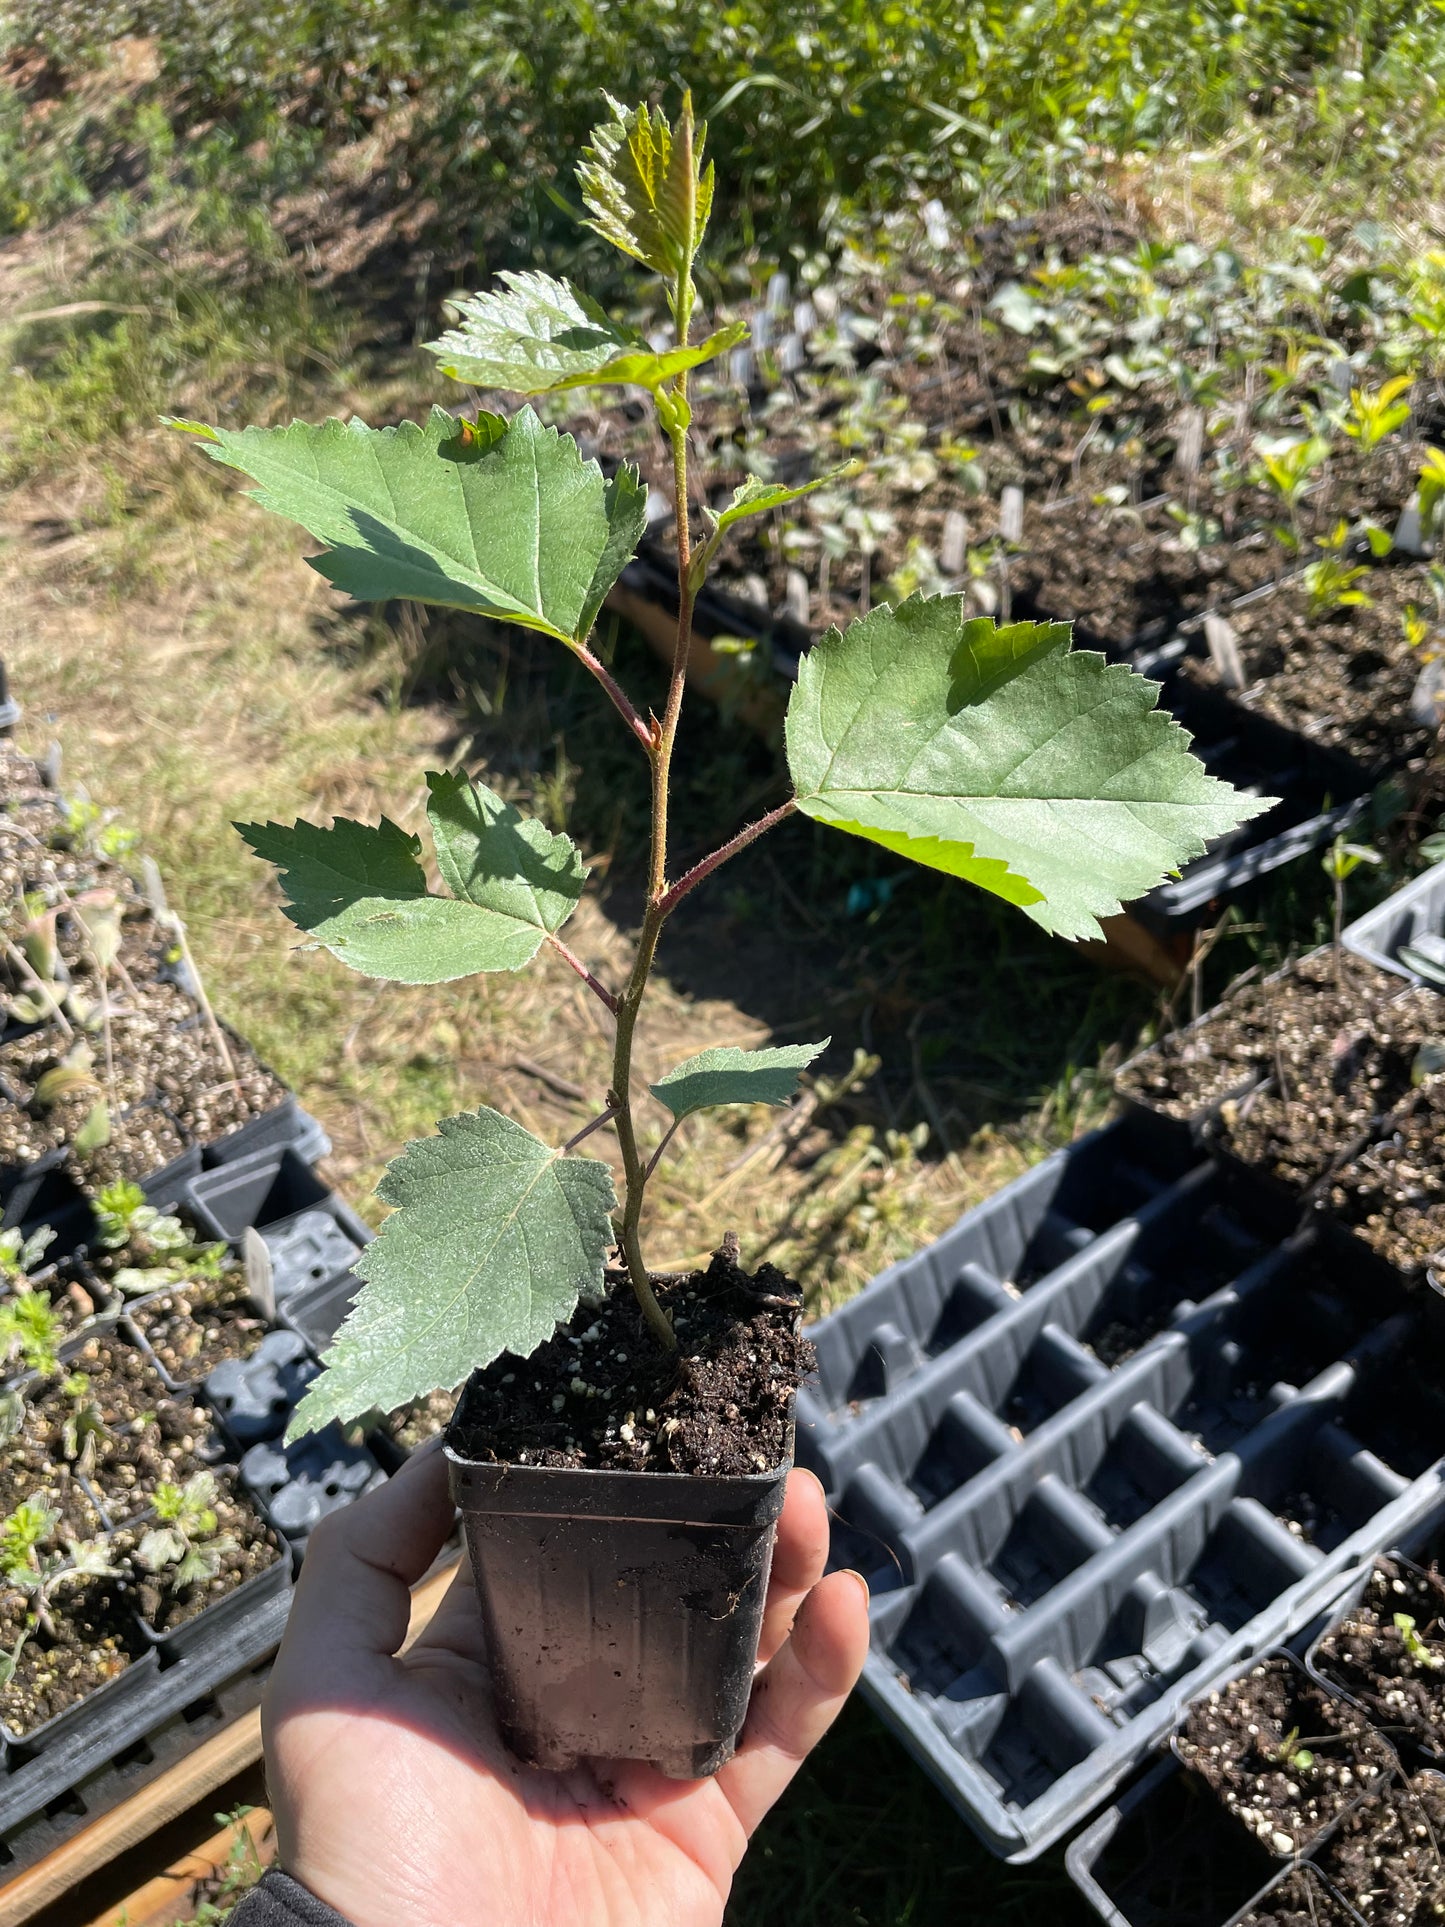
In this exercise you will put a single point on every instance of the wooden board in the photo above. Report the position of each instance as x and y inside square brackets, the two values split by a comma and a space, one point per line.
[189, 1784]
[171, 1896]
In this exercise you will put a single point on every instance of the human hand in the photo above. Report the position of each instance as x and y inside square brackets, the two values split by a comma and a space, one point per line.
[397, 1803]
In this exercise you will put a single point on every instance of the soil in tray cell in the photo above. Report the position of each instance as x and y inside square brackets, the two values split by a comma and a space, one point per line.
[1303, 1025]
[130, 1433]
[198, 1326]
[1145, 1297]
[414, 1424]
[1283, 1755]
[1385, 1859]
[1393, 1193]
[1300, 1900]
[1396, 1673]
[243, 1545]
[93, 1638]
[1341, 677]
[1126, 572]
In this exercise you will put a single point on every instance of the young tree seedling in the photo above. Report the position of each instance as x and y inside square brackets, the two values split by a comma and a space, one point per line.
[84, 1426]
[1375, 413]
[31, 1565]
[994, 754]
[1340, 862]
[162, 1249]
[186, 1544]
[31, 1330]
[21, 1258]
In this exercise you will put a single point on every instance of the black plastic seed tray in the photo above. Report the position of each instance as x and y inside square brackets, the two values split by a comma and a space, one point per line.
[229, 1648]
[1406, 933]
[1102, 1440]
[99, 1785]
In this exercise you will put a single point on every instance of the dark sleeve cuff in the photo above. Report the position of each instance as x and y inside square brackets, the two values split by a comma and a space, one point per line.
[279, 1901]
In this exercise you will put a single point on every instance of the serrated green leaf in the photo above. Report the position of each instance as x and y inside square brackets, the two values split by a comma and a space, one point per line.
[635, 181]
[506, 518]
[491, 855]
[728, 1075]
[996, 754]
[755, 497]
[362, 892]
[493, 1239]
[537, 335]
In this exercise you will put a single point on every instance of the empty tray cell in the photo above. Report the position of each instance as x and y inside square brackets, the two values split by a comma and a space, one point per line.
[947, 1629]
[1325, 1485]
[965, 1440]
[919, 1308]
[972, 1302]
[1147, 1460]
[1243, 1566]
[1049, 1727]
[1055, 1370]
[1309, 1315]
[1156, 1633]
[1396, 1408]
[258, 1190]
[1174, 1265]
[1171, 1856]
[1052, 1536]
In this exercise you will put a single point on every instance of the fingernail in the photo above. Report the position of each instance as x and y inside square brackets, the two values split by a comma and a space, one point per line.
[851, 1574]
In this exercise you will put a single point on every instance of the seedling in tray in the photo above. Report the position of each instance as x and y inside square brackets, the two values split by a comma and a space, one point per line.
[32, 1566]
[993, 754]
[185, 1546]
[161, 1248]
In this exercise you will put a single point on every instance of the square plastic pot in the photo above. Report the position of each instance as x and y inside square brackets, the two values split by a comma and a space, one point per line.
[621, 1609]
[263, 1188]
[1413, 916]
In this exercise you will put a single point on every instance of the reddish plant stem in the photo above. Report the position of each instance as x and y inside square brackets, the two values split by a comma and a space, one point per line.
[604, 1117]
[615, 694]
[699, 871]
[593, 983]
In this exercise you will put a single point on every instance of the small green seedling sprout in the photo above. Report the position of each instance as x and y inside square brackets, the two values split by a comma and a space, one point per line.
[1291, 1755]
[89, 828]
[83, 1426]
[186, 1540]
[31, 1330]
[1431, 496]
[1410, 1638]
[1285, 465]
[30, 1564]
[20, 1257]
[995, 754]
[1340, 862]
[1375, 413]
[162, 1249]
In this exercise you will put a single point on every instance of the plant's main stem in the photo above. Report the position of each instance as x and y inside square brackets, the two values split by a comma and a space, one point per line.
[663, 736]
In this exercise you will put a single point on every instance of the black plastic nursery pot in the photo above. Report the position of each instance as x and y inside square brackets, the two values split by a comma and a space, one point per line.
[621, 1609]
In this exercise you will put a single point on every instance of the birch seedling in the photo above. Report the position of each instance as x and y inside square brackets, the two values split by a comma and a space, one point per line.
[994, 754]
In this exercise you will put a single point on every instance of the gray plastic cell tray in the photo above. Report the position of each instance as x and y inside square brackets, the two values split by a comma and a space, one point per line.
[1102, 1441]
[1414, 917]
